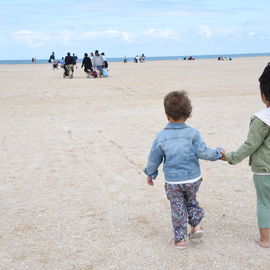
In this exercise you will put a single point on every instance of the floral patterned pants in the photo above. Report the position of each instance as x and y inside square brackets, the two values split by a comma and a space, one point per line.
[184, 207]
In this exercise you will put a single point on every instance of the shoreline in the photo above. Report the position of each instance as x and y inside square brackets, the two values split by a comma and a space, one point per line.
[148, 59]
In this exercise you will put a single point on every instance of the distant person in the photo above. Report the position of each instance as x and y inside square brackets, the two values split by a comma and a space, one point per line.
[62, 62]
[52, 57]
[75, 59]
[180, 147]
[33, 60]
[106, 64]
[87, 64]
[125, 59]
[69, 65]
[142, 58]
[257, 147]
[136, 59]
[98, 63]
[91, 57]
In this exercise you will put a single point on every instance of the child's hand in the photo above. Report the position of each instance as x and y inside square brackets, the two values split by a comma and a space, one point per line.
[149, 181]
[223, 156]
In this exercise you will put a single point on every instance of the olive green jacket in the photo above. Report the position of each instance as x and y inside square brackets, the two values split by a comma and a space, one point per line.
[257, 146]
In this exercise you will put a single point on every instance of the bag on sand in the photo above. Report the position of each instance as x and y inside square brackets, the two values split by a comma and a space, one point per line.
[94, 74]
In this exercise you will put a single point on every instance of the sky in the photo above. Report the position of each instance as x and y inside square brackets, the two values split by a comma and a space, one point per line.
[35, 28]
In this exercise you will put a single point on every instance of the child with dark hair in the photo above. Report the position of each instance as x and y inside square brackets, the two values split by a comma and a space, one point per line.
[257, 147]
[180, 147]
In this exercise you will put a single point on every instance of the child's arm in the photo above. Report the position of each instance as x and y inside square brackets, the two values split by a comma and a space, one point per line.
[204, 152]
[256, 136]
[154, 160]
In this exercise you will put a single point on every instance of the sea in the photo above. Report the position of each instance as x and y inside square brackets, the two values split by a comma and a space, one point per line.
[151, 58]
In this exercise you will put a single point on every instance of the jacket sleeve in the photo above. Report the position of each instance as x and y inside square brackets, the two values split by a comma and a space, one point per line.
[255, 138]
[204, 152]
[155, 158]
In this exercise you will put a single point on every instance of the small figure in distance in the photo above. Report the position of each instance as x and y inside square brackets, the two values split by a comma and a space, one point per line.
[87, 64]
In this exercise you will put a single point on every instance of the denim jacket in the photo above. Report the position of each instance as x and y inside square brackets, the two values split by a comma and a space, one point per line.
[179, 147]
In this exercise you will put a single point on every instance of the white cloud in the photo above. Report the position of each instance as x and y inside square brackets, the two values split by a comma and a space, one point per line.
[251, 35]
[204, 31]
[30, 38]
[36, 39]
[108, 34]
[162, 34]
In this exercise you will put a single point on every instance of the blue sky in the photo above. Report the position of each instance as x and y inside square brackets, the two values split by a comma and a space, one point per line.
[153, 27]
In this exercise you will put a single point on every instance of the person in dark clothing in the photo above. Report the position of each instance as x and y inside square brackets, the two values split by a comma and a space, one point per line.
[52, 57]
[87, 64]
[69, 66]
[69, 59]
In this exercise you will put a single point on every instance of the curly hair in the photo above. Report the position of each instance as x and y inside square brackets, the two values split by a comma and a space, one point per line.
[177, 105]
[265, 82]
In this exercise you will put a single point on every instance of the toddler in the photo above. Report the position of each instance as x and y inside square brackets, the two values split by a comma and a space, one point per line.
[257, 147]
[180, 147]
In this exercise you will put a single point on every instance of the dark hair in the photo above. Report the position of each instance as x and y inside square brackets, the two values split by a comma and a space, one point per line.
[85, 54]
[177, 105]
[265, 82]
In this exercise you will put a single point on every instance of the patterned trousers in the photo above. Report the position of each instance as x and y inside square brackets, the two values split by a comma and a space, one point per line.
[184, 207]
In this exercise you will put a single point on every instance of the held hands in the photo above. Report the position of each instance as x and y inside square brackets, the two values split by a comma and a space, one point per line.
[223, 153]
[149, 181]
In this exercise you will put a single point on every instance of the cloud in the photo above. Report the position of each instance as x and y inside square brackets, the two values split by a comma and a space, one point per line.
[204, 31]
[29, 38]
[162, 34]
[34, 39]
[110, 34]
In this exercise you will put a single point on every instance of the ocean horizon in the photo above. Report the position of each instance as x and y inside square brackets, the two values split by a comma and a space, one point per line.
[150, 58]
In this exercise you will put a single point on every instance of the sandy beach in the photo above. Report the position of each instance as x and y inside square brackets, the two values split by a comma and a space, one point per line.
[73, 195]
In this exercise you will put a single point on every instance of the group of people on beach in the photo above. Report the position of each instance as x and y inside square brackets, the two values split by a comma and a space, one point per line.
[139, 59]
[179, 147]
[95, 65]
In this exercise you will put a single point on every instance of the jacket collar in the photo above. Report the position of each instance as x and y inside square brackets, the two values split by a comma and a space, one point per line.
[264, 115]
[175, 126]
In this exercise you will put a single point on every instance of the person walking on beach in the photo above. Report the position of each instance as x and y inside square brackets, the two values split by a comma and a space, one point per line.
[98, 63]
[52, 57]
[91, 57]
[257, 147]
[69, 65]
[75, 59]
[87, 64]
[106, 64]
[180, 147]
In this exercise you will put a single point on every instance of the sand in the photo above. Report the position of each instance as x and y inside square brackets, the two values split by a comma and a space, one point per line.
[72, 192]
